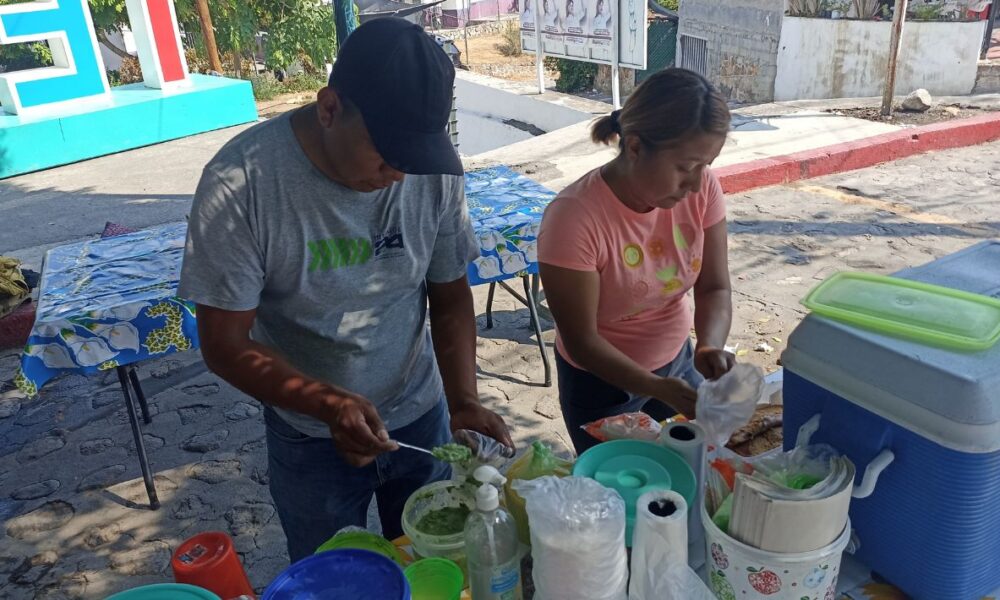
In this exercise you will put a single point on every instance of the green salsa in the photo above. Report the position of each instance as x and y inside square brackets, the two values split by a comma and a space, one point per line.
[444, 521]
[452, 453]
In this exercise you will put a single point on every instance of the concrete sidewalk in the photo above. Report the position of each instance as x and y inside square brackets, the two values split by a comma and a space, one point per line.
[776, 132]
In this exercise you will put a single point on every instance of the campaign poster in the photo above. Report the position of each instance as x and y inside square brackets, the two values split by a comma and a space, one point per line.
[600, 28]
[527, 15]
[552, 29]
[575, 27]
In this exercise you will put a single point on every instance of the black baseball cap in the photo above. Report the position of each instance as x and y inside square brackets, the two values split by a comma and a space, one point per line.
[403, 84]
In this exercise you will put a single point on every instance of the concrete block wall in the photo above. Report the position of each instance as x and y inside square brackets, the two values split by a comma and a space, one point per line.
[742, 37]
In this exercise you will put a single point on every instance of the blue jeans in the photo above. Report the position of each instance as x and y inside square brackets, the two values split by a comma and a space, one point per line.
[585, 397]
[316, 493]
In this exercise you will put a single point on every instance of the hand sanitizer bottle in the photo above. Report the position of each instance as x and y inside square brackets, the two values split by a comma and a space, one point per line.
[491, 543]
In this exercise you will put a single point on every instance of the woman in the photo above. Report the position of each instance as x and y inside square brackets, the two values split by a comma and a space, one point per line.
[620, 248]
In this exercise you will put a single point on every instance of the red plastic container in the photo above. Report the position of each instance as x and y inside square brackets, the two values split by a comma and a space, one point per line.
[208, 560]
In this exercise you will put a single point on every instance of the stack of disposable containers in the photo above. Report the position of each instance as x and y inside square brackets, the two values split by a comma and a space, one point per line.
[922, 424]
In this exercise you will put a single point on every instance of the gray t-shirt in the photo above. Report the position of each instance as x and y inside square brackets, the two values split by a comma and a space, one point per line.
[337, 276]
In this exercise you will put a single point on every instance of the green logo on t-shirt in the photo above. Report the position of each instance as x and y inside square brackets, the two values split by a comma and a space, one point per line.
[335, 253]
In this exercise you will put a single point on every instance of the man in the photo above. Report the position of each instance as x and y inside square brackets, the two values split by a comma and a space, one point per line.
[317, 242]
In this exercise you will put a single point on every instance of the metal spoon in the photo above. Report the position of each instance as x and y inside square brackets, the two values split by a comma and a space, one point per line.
[411, 447]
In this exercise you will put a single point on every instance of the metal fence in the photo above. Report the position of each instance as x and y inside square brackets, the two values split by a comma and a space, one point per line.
[662, 48]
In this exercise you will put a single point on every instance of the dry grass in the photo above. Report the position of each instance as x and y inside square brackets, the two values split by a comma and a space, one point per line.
[484, 58]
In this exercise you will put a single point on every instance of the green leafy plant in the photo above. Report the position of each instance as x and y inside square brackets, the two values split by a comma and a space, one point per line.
[265, 87]
[807, 8]
[669, 4]
[574, 75]
[510, 43]
[928, 11]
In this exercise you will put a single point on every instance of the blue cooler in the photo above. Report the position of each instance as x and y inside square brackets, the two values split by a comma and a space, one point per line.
[924, 423]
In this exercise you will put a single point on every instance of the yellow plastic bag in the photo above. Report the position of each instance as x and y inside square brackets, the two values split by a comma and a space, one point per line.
[538, 461]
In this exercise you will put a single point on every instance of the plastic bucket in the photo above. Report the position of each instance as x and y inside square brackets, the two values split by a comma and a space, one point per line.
[363, 540]
[209, 560]
[165, 591]
[341, 575]
[436, 496]
[737, 571]
[435, 579]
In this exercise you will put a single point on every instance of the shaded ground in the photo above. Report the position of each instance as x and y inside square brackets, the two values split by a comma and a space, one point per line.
[73, 522]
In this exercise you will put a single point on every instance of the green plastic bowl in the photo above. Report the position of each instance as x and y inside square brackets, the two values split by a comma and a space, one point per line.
[363, 540]
[632, 468]
[165, 591]
[435, 579]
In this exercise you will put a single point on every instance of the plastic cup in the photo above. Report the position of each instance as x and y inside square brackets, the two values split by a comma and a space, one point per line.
[209, 560]
[362, 540]
[435, 579]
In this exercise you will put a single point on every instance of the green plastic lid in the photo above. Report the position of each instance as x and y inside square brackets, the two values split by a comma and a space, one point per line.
[634, 467]
[165, 591]
[926, 313]
[363, 540]
[435, 579]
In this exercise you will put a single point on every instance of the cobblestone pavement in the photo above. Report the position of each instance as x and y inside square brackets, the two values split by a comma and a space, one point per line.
[73, 516]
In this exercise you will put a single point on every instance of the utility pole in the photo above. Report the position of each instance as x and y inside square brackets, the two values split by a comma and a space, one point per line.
[209, 34]
[898, 18]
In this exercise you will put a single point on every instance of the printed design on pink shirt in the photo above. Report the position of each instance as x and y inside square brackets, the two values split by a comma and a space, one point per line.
[640, 289]
[668, 277]
[684, 237]
[632, 255]
[656, 248]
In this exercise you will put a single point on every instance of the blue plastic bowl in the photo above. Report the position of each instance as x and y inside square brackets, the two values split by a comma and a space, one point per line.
[340, 575]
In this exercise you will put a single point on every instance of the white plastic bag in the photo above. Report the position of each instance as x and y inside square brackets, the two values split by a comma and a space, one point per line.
[674, 581]
[726, 404]
[577, 539]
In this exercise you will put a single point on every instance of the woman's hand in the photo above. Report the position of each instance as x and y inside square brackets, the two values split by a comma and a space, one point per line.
[677, 394]
[713, 362]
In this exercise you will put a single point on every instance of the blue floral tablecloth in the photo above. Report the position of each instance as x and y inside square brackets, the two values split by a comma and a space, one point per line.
[110, 302]
[506, 210]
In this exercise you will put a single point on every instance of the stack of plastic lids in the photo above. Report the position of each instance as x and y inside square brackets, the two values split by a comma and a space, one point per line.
[165, 591]
[348, 574]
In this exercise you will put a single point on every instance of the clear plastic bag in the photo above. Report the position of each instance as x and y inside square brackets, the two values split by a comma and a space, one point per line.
[577, 539]
[728, 403]
[799, 468]
[672, 581]
[538, 461]
[629, 426]
[486, 450]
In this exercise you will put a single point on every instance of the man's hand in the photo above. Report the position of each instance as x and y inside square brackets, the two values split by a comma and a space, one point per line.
[475, 417]
[713, 362]
[357, 430]
[677, 394]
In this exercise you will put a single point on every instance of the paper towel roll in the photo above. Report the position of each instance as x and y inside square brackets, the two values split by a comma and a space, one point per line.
[660, 538]
[688, 440]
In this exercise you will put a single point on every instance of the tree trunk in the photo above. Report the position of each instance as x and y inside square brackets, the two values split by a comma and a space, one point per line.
[103, 38]
[208, 32]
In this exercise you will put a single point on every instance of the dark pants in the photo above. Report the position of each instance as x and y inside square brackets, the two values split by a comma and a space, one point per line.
[585, 397]
[316, 493]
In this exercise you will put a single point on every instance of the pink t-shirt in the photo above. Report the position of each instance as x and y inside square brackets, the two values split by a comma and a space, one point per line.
[647, 262]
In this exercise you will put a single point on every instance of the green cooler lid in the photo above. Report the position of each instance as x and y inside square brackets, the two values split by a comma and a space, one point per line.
[922, 312]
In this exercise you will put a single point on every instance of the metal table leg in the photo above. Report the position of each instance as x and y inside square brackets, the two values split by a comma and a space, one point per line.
[140, 447]
[533, 310]
[489, 306]
[137, 388]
